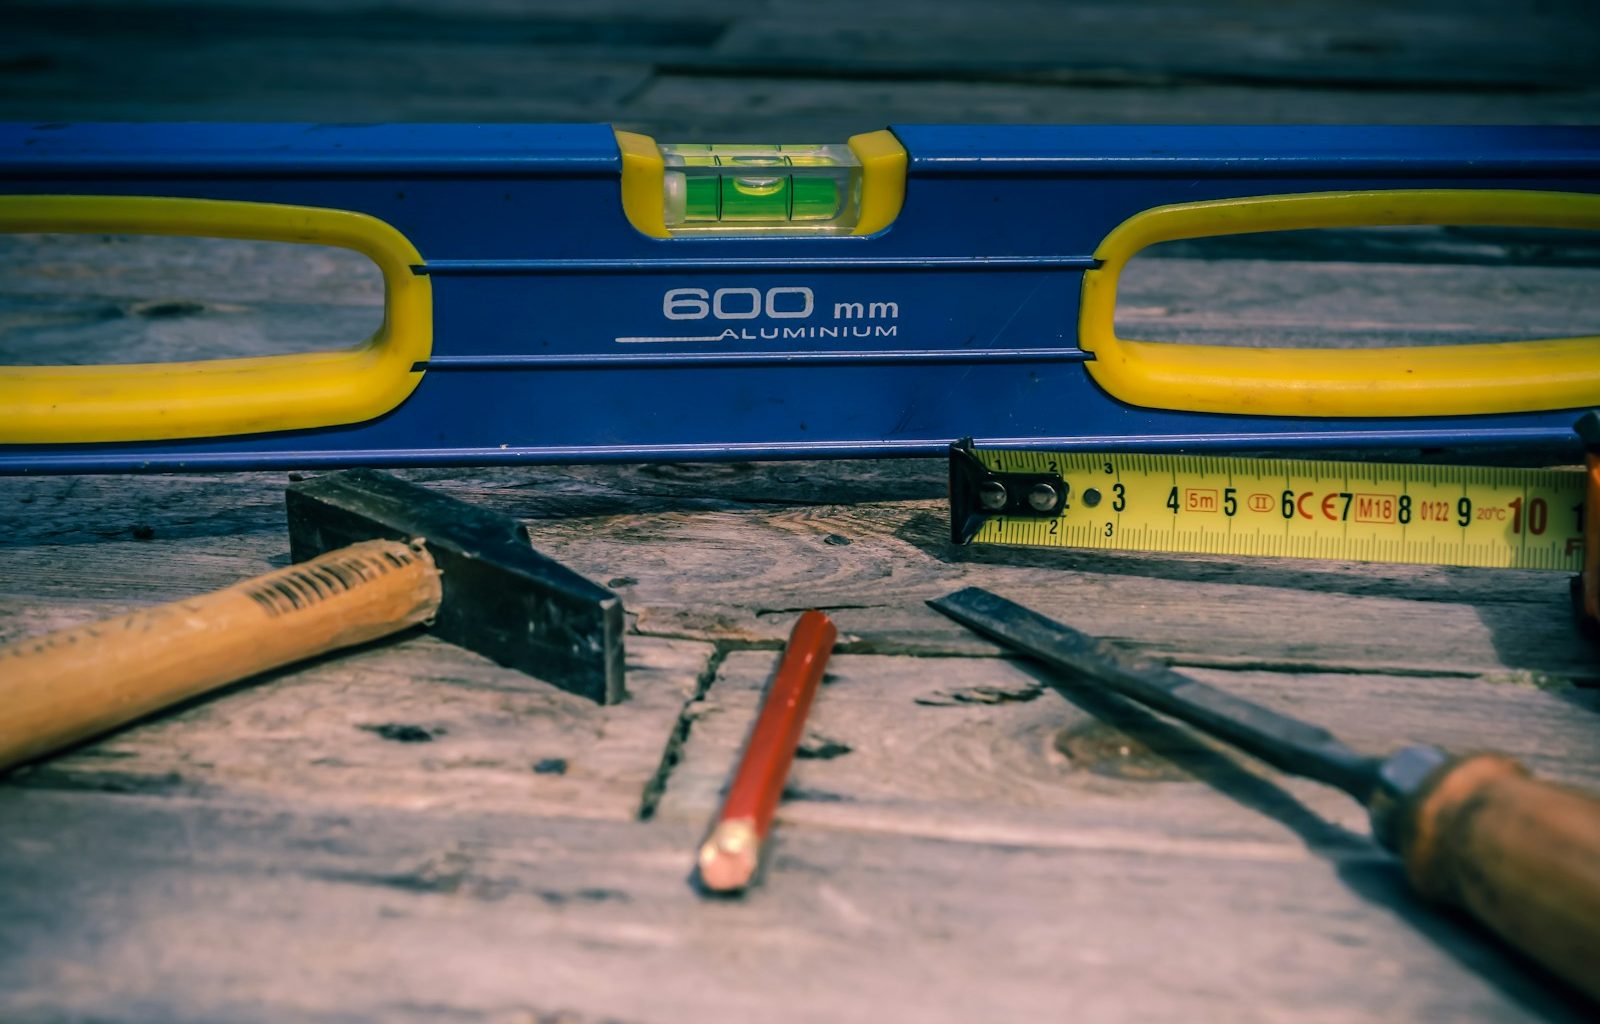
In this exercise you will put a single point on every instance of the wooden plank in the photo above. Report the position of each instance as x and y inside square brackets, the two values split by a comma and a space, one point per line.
[737, 572]
[1346, 305]
[99, 268]
[762, 70]
[1184, 43]
[615, 28]
[753, 106]
[1465, 46]
[119, 298]
[987, 751]
[741, 576]
[89, 62]
[415, 724]
[242, 81]
[208, 911]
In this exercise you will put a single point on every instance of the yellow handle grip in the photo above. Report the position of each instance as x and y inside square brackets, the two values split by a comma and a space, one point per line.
[1444, 380]
[156, 401]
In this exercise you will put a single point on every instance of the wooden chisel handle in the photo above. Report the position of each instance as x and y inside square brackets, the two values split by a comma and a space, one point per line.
[1521, 855]
[69, 685]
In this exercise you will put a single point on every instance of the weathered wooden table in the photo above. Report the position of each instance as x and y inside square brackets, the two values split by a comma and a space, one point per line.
[409, 832]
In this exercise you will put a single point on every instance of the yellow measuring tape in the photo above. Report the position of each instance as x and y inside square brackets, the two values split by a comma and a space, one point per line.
[1361, 511]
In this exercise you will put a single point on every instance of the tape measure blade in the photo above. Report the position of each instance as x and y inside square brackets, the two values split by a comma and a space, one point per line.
[1492, 517]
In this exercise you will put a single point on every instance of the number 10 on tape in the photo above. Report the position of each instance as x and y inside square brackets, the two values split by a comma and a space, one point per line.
[1361, 511]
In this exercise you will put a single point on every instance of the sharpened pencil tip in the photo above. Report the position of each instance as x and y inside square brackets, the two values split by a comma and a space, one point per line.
[729, 857]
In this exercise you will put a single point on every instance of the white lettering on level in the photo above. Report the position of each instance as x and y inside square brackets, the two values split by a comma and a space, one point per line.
[649, 340]
[773, 333]
[869, 310]
[784, 302]
[722, 311]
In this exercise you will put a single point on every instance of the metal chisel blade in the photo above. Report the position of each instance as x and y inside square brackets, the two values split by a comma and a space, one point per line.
[1286, 743]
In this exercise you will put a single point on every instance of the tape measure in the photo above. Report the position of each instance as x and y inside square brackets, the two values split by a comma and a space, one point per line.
[1488, 516]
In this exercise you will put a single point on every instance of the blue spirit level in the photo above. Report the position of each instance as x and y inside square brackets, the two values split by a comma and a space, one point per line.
[570, 292]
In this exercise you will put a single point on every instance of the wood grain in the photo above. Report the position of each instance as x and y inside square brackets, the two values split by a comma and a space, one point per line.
[759, 72]
[985, 751]
[418, 724]
[221, 911]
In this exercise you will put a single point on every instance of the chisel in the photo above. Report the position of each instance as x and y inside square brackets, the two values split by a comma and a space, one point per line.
[1521, 855]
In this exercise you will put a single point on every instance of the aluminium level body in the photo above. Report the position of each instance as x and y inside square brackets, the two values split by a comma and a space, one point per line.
[531, 320]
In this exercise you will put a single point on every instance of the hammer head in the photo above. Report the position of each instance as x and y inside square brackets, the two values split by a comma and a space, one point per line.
[502, 599]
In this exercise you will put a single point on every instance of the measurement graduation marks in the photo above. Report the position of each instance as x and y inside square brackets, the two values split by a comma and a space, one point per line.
[1361, 511]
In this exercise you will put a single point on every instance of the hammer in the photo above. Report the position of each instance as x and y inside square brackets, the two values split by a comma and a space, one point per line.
[375, 555]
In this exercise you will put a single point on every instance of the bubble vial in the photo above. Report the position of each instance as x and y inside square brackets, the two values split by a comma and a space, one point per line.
[753, 190]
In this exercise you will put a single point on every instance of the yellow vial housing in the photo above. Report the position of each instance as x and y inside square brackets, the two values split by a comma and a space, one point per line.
[672, 190]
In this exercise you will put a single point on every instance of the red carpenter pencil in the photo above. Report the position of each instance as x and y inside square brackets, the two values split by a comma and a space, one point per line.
[729, 856]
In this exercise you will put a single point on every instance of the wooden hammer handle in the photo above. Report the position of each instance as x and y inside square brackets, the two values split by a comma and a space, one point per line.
[69, 685]
[1521, 855]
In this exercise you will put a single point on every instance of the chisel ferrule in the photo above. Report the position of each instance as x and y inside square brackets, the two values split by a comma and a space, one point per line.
[1401, 779]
